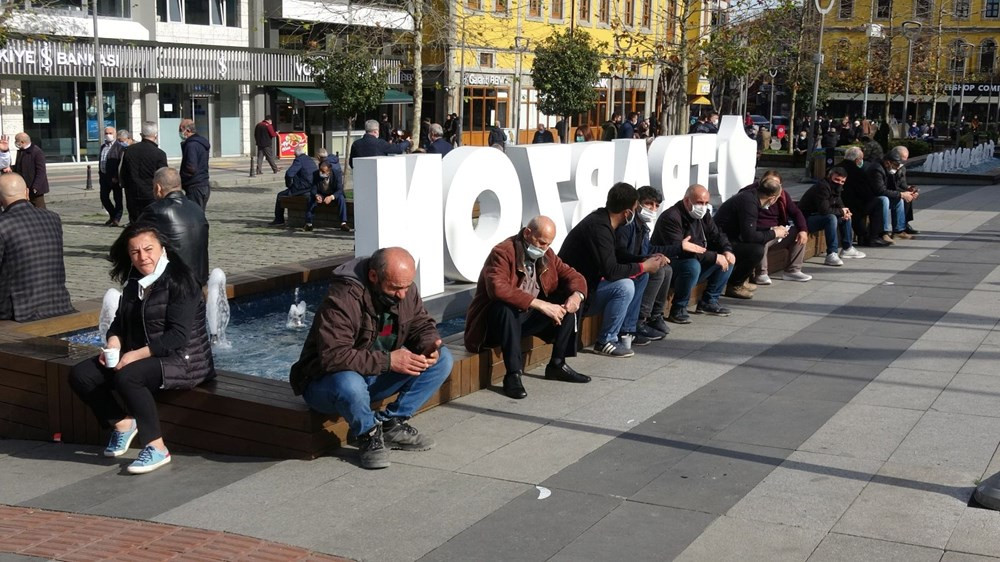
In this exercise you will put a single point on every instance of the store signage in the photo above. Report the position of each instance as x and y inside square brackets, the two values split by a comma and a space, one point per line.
[288, 142]
[39, 54]
[971, 88]
[396, 198]
[486, 80]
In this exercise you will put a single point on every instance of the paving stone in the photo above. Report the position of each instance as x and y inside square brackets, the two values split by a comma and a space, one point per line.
[713, 478]
[983, 361]
[926, 355]
[956, 441]
[961, 557]
[653, 533]
[564, 515]
[909, 504]
[836, 547]
[738, 540]
[862, 431]
[904, 388]
[474, 438]
[808, 490]
[835, 382]
[977, 532]
[780, 422]
[972, 394]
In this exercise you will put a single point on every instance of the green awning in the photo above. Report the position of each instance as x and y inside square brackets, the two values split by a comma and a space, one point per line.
[308, 96]
[395, 97]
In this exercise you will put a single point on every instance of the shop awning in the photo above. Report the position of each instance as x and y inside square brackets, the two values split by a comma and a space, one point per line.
[308, 96]
[395, 97]
[701, 100]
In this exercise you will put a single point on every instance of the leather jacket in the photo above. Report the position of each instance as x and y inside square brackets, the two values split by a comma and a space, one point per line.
[184, 225]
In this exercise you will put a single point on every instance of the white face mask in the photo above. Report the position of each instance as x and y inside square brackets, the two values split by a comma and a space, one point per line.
[629, 219]
[892, 171]
[698, 212]
[109, 138]
[647, 215]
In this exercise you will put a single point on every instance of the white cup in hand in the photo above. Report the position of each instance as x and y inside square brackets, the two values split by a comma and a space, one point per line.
[111, 357]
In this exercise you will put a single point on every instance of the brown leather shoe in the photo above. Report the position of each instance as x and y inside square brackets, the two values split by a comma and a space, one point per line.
[887, 239]
[902, 235]
[738, 292]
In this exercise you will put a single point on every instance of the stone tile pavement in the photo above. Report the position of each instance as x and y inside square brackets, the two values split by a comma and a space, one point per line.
[848, 418]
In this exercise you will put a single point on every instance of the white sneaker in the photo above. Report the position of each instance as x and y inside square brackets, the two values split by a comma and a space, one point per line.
[796, 276]
[833, 259]
[762, 279]
[852, 252]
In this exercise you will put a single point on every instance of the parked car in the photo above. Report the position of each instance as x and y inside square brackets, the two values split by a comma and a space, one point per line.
[777, 121]
[760, 121]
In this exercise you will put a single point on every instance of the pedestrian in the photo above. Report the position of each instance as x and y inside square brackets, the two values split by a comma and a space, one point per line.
[139, 163]
[31, 165]
[263, 136]
[385, 128]
[111, 159]
[497, 137]
[180, 220]
[194, 164]
[542, 135]
[299, 181]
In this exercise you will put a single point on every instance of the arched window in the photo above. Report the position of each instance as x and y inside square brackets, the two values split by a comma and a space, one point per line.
[843, 54]
[957, 55]
[987, 55]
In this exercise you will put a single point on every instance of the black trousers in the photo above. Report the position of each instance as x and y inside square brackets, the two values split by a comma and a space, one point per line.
[136, 205]
[136, 384]
[199, 194]
[109, 188]
[266, 152]
[506, 326]
[748, 256]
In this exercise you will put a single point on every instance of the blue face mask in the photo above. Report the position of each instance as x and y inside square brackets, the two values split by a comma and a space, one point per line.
[533, 252]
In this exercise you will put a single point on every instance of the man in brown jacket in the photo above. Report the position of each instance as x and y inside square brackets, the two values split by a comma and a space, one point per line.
[524, 289]
[372, 338]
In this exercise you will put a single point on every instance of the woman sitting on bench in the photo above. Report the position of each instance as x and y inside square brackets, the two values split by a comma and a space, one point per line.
[157, 341]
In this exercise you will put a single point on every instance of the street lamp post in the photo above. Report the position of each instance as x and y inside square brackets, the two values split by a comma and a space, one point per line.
[910, 29]
[964, 47]
[520, 45]
[99, 90]
[819, 64]
[622, 44]
[770, 113]
[872, 31]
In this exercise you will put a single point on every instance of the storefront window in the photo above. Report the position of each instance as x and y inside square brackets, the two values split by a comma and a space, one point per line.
[485, 107]
[596, 116]
[197, 12]
[60, 127]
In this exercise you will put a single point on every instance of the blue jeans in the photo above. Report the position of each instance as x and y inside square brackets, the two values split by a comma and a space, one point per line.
[834, 228]
[689, 272]
[619, 302]
[339, 201]
[279, 211]
[351, 394]
[898, 215]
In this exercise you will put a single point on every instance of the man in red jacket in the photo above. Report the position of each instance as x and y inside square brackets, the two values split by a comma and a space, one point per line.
[524, 289]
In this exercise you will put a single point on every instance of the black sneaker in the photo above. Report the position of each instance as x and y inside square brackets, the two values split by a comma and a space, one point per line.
[371, 449]
[658, 323]
[308, 227]
[679, 316]
[713, 308]
[911, 230]
[403, 436]
[644, 330]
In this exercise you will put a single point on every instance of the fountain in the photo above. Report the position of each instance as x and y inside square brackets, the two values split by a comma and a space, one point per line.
[296, 312]
[958, 160]
[217, 309]
[109, 307]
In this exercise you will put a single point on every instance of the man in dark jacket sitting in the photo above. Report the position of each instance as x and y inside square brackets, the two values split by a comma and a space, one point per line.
[882, 177]
[524, 289]
[299, 180]
[194, 164]
[372, 338]
[737, 217]
[327, 191]
[824, 210]
[709, 257]
[437, 144]
[180, 220]
[614, 287]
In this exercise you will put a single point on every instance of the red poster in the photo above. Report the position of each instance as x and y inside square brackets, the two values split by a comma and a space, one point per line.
[288, 143]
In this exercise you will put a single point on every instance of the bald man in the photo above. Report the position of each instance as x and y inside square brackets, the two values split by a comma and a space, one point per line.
[524, 289]
[31, 165]
[372, 338]
[32, 275]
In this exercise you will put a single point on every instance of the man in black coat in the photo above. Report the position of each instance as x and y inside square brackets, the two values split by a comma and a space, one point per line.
[737, 218]
[299, 180]
[438, 145]
[139, 163]
[614, 287]
[31, 165]
[263, 137]
[32, 274]
[824, 209]
[882, 178]
[111, 158]
[496, 138]
[542, 135]
[371, 145]
[194, 164]
[180, 220]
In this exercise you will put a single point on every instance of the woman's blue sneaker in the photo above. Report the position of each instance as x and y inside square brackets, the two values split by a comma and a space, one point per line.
[120, 441]
[149, 460]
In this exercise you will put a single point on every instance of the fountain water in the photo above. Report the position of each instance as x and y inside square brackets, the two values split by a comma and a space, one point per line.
[958, 159]
[108, 309]
[217, 309]
[296, 312]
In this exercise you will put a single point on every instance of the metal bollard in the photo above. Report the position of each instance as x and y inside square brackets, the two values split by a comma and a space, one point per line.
[90, 181]
[253, 171]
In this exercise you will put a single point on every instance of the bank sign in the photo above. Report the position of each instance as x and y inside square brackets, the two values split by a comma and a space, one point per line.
[424, 202]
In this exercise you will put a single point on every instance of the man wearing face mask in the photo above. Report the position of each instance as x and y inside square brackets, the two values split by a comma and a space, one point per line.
[194, 163]
[111, 157]
[883, 178]
[524, 289]
[784, 212]
[738, 217]
[633, 244]
[869, 211]
[710, 257]
[31, 166]
[372, 338]
[614, 287]
[326, 191]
